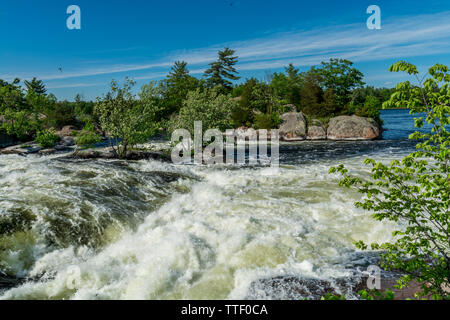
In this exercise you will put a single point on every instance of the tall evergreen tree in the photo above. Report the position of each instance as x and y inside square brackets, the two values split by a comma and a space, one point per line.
[36, 86]
[222, 71]
[176, 87]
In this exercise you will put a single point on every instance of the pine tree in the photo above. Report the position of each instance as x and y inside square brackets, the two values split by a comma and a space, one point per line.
[178, 71]
[222, 71]
[177, 85]
[36, 86]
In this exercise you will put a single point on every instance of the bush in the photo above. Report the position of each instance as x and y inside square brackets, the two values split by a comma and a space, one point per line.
[87, 137]
[267, 121]
[371, 109]
[61, 114]
[47, 138]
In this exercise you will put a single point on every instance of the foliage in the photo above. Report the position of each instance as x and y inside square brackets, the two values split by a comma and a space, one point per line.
[222, 71]
[176, 87]
[258, 106]
[359, 95]
[339, 75]
[35, 86]
[267, 121]
[83, 110]
[330, 296]
[288, 85]
[242, 113]
[370, 108]
[209, 106]
[374, 294]
[414, 191]
[47, 138]
[60, 114]
[87, 137]
[126, 120]
[17, 115]
[311, 94]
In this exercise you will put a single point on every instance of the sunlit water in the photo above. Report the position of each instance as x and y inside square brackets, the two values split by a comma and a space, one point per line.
[151, 230]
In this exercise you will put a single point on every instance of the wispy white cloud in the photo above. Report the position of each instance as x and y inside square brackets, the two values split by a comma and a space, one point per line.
[73, 85]
[399, 38]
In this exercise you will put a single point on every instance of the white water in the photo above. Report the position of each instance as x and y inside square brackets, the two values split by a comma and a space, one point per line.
[206, 234]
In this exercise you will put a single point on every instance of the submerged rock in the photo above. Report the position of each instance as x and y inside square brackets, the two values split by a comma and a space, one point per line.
[67, 141]
[353, 128]
[296, 288]
[108, 153]
[293, 127]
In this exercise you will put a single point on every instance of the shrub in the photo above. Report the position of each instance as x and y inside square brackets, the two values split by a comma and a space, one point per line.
[267, 121]
[61, 114]
[371, 109]
[87, 137]
[47, 138]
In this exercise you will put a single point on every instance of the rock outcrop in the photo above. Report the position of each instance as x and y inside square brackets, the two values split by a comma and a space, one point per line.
[353, 128]
[22, 149]
[67, 131]
[293, 127]
[317, 131]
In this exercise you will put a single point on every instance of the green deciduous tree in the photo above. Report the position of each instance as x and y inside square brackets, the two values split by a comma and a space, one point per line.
[207, 105]
[127, 120]
[17, 115]
[311, 93]
[414, 191]
[339, 75]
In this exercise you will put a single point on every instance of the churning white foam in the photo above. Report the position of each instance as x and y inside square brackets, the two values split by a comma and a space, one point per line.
[219, 230]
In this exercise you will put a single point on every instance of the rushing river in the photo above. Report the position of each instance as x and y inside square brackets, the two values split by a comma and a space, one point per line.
[151, 230]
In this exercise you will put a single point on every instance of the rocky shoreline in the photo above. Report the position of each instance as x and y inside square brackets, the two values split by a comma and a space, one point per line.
[295, 127]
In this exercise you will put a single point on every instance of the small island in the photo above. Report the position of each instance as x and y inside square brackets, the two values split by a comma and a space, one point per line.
[328, 102]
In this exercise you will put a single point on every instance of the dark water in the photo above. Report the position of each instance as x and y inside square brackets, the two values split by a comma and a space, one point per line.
[397, 126]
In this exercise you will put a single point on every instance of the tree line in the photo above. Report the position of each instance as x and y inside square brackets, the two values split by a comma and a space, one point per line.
[333, 88]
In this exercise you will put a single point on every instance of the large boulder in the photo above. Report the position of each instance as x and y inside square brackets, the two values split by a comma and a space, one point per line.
[353, 128]
[67, 131]
[317, 131]
[293, 127]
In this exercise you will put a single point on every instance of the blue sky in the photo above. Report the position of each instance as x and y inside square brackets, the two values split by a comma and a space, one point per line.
[142, 38]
